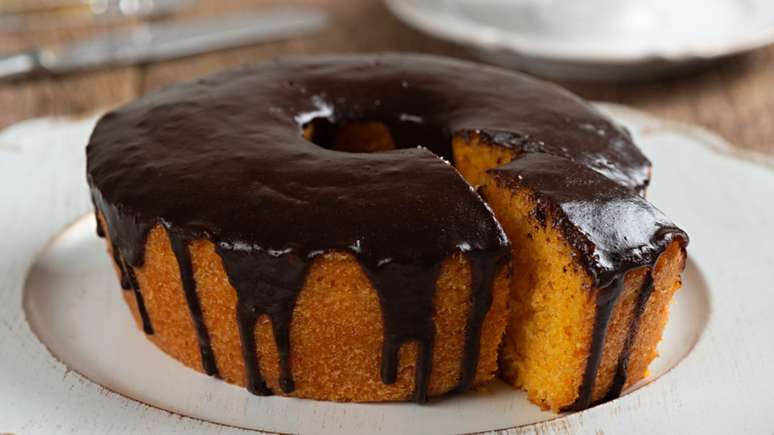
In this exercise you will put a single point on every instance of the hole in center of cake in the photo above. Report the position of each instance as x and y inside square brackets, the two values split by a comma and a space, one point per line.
[372, 136]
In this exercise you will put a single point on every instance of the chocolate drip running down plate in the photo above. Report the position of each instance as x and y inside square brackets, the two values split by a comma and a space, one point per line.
[106, 377]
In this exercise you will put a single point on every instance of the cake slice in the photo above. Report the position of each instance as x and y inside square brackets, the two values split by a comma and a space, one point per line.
[594, 269]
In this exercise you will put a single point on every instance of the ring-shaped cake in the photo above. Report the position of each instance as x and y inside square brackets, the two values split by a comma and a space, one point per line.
[298, 227]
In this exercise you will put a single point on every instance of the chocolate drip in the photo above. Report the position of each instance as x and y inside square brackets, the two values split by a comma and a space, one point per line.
[183, 256]
[126, 282]
[406, 293]
[606, 302]
[484, 267]
[129, 282]
[267, 283]
[135, 286]
[622, 371]
[127, 243]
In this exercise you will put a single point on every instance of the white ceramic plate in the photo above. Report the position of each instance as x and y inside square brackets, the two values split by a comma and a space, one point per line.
[596, 40]
[717, 351]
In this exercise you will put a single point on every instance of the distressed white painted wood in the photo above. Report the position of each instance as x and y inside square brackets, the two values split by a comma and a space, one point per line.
[725, 385]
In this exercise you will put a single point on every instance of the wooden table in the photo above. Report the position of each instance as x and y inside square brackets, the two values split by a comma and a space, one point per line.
[734, 98]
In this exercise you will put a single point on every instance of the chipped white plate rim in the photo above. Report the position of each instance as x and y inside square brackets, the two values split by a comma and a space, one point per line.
[722, 201]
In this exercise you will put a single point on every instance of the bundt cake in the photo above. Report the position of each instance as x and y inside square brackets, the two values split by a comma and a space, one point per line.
[296, 227]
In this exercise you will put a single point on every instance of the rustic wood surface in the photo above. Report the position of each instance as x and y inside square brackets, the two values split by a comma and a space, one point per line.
[733, 98]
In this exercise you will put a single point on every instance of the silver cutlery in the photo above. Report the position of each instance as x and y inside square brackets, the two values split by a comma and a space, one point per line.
[159, 42]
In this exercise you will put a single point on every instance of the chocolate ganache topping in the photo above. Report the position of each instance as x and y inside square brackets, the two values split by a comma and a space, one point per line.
[223, 158]
[614, 229]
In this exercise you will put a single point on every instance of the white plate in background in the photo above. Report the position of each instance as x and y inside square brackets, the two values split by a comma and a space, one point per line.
[596, 40]
[47, 292]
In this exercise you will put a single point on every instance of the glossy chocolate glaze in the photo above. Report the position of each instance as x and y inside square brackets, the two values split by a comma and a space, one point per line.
[622, 371]
[223, 159]
[127, 236]
[613, 229]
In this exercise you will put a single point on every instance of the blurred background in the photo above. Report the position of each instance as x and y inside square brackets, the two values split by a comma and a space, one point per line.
[732, 95]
